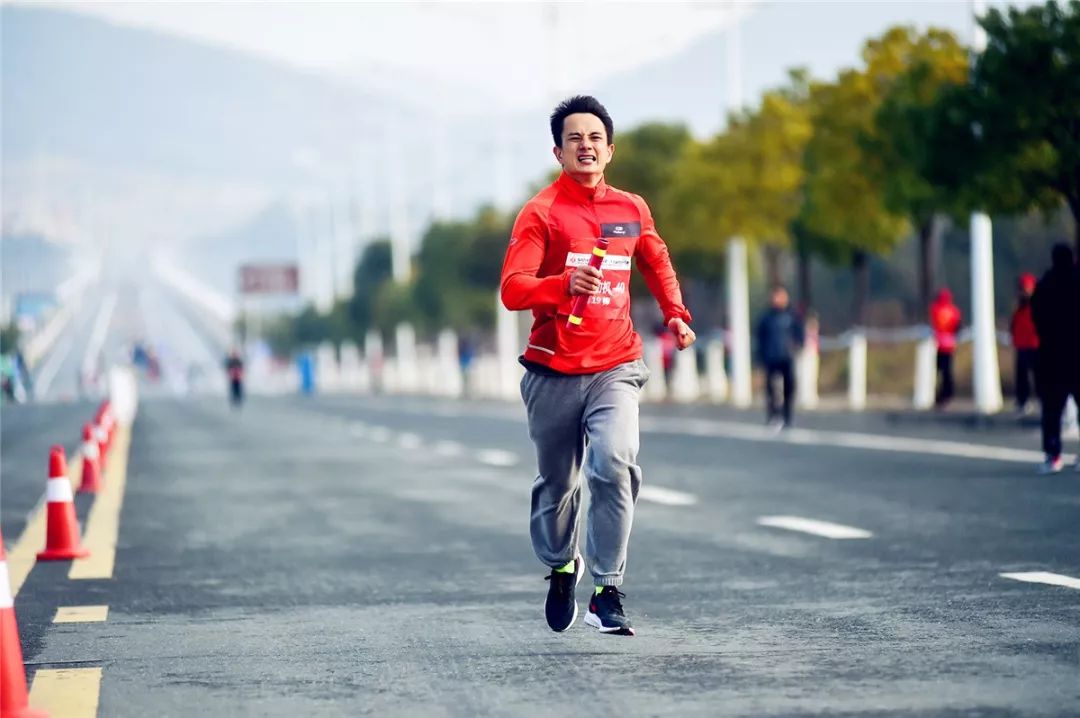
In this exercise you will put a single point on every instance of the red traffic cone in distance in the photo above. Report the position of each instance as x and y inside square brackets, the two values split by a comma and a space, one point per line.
[102, 438]
[62, 528]
[91, 463]
[13, 694]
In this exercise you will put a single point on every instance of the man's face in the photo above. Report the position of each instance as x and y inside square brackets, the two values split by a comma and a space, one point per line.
[779, 299]
[585, 151]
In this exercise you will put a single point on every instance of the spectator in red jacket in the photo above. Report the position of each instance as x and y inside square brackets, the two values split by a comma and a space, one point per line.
[583, 380]
[945, 321]
[1025, 342]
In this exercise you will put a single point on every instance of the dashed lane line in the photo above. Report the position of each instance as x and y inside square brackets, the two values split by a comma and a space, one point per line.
[1053, 579]
[826, 529]
[496, 457]
[67, 692]
[81, 614]
[103, 524]
[667, 497]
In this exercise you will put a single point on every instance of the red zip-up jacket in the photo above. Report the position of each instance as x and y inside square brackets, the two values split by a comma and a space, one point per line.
[554, 234]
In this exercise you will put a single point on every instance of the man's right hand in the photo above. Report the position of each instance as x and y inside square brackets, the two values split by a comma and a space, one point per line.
[585, 280]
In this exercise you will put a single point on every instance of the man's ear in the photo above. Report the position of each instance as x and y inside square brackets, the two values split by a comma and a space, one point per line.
[557, 151]
[610, 152]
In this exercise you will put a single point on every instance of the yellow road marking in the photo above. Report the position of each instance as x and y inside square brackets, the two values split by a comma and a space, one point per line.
[23, 554]
[67, 692]
[103, 524]
[81, 614]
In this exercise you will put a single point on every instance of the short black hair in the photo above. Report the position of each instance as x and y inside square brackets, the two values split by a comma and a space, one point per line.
[575, 104]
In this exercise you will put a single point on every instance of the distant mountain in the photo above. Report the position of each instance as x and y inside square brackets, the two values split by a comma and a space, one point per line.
[82, 88]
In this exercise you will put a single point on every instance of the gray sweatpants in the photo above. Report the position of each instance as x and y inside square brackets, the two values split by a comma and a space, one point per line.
[566, 414]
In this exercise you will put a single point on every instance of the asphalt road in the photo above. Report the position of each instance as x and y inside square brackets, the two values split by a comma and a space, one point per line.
[359, 556]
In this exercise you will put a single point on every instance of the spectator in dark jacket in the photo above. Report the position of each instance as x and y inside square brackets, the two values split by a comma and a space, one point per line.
[779, 338]
[1055, 309]
[1025, 341]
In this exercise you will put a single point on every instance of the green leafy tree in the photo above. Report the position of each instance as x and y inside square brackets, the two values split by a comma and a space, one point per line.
[747, 181]
[374, 269]
[845, 203]
[1009, 140]
[919, 68]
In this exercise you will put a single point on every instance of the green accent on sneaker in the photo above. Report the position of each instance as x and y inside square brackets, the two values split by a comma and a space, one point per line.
[568, 568]
[599, 590]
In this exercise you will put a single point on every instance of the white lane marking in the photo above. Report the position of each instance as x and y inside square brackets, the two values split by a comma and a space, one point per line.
[380, 434]
[496, 457]
[52, 365]
[668, 497]
[843, 439]
[449, 448]
[409, 441]
[814, 526]
[1054, 579]
[710, 428]
[97, 336]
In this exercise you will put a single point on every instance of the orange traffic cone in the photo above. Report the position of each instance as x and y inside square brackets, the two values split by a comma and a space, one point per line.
[91, 463]
[62, 529]
[13, 698]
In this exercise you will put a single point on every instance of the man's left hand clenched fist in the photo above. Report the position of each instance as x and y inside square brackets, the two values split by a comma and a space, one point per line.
[684, 335]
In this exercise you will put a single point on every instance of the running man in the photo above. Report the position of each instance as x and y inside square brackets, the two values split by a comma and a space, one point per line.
[583, 382]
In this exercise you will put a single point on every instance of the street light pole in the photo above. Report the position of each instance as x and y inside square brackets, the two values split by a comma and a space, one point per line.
[986, 377]
[737, 279]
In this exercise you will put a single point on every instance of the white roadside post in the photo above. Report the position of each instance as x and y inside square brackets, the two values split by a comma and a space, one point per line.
[685, 387]
[507, 349]
[925, 352]
[986, 377]
[715, 373]
[405, 352]
[857, 371]
[453, 383]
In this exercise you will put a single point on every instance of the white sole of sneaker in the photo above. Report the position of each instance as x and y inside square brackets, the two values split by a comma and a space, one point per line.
[591, 619]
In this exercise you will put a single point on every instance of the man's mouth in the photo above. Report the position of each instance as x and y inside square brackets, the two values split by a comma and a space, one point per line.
[586, 159]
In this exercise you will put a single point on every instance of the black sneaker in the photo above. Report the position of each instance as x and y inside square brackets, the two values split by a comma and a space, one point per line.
[561, 608]
[606, 612]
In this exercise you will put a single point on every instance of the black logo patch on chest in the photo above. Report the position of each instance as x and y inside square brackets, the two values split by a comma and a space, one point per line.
[620, 229]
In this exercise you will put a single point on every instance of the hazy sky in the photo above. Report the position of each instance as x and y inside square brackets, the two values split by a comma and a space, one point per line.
[499, 47]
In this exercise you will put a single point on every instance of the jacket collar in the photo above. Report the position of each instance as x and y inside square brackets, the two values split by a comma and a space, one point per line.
[579, 191]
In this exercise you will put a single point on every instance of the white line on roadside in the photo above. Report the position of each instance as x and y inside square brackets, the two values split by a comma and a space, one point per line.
[843, 439]
[1053, 579]
[380, 434]
[668, 497]
[826, 529]
[409, 441]
[358, 429]
[496, 457]
[48, 372]
[449, 448]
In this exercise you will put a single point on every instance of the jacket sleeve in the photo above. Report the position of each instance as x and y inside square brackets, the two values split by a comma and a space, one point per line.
[520, 287]
[655, 265]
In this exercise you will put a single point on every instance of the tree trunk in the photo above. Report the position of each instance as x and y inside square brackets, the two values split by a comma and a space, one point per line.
[772, 265]
[860, 265]
[806, 290]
